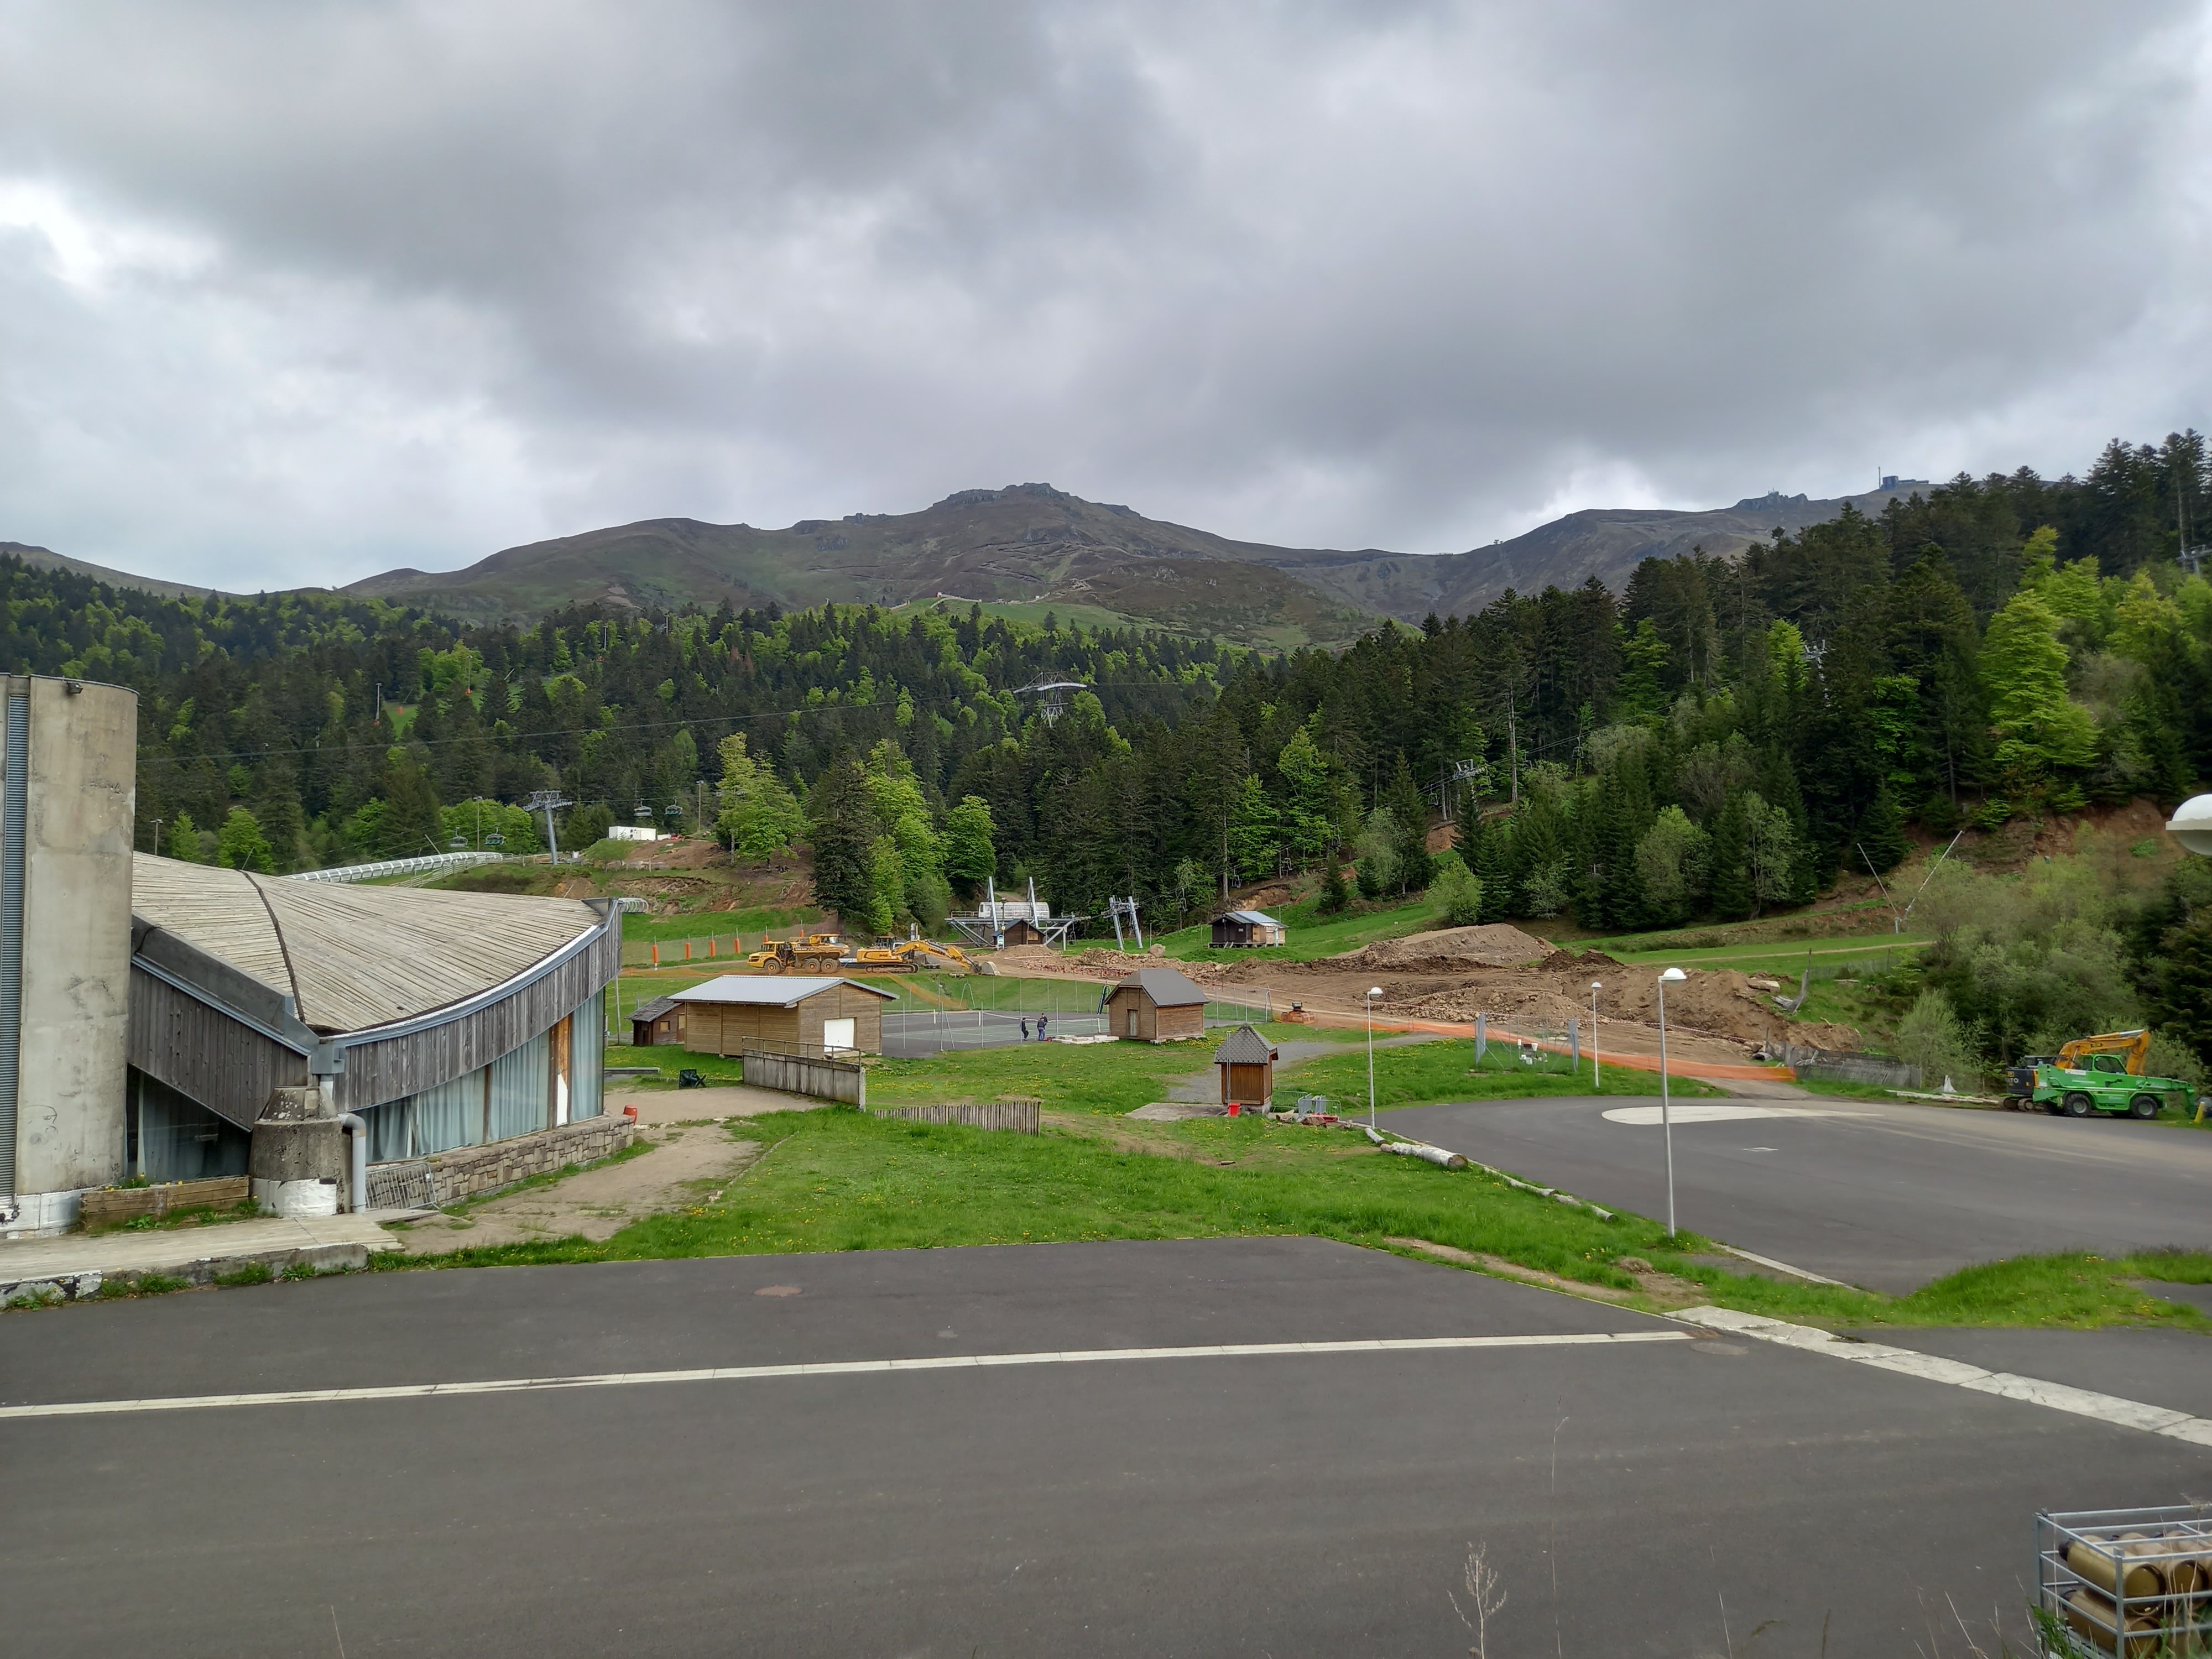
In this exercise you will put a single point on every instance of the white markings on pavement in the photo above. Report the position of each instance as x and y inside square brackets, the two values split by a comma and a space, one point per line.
[2059, 1396]
[1699, 1111]
[833, 1368]
[1784, 1267]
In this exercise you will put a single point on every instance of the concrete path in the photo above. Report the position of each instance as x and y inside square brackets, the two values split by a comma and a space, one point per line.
[685, 1163]
[1297, 1503]
[75, 1264]
[657, 1106]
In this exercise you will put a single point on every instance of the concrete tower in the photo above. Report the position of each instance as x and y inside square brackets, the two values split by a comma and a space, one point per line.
[68, 799]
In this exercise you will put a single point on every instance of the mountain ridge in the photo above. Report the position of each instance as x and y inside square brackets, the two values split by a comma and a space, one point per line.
[1029, 544]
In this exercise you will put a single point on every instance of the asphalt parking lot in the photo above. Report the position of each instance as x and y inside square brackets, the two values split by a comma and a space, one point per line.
[1680, 1493]
[1887, 1195]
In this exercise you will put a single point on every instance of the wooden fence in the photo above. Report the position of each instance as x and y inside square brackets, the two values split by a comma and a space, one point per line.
[1020, 1115]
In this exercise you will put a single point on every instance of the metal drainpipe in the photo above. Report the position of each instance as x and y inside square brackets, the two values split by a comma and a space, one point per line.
[357, 1125]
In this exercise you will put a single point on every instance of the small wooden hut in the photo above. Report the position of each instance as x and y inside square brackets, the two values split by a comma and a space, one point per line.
[660, 1020]
[1155, 1005]
[1247, 1066]
[1247, 930]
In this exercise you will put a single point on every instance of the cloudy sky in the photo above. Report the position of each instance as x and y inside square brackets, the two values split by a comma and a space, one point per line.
[296, 291]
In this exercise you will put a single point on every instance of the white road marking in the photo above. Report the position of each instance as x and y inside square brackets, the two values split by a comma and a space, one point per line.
[1784, 1267]
[2059, 1396]
[832, 1367]
[1701, 1111]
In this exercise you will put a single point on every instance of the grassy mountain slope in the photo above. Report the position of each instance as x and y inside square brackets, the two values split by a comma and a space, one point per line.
[1036, 547]
[1029, 543]
[43, 558]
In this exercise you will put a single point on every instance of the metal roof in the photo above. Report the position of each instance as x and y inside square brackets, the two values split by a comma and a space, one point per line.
[1250, 918]
[1245, 1047]
[353, 957]
[654, 1009]
[1166, 987]
[772, 990]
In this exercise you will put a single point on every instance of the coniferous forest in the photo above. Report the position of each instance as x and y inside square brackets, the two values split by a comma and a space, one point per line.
[1718, 739]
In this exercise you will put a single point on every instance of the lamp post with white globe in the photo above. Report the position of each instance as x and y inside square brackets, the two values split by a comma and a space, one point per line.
[1371, 995]
[1596, 986]
[2192, 825]
[1671, 976]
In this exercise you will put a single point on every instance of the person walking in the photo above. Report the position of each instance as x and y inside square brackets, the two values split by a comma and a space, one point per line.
[1042, 1019]
[1025, 1028]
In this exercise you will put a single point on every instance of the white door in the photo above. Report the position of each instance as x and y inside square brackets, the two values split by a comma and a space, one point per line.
[837, 1034]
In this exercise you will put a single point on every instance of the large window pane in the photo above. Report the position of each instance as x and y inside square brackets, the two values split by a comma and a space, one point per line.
[521, 1087]
[588, 1058]
[449, 1115]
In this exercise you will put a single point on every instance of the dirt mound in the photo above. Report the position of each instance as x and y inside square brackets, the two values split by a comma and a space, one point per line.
[1095, 964]
[1565, 961]
[1722, 1001]
[1445, 949]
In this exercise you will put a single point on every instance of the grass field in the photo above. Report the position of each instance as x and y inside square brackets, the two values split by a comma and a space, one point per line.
[718, 923]
[840, 1180]
[1857, 952]
[1425, 1072]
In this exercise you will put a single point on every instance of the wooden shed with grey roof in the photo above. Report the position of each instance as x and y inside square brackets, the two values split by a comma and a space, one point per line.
[810, 1014]
[444, 1019]
[1155, 1005]
[1246, 1065]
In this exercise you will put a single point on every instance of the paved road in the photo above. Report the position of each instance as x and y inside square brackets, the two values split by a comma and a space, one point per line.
[1282, 1505]
[1887, 1195]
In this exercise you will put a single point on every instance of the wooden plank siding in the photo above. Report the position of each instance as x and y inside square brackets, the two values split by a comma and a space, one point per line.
[721, 1028]
[230, 1068]
[378, 1072]
[1248, 1086]
[203, 1052]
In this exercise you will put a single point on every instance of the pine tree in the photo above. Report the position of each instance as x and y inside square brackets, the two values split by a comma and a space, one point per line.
[844, 833]
[1334, 896]
[1880, 840]
[1411, 809]
[412, 820]
[1733, 896]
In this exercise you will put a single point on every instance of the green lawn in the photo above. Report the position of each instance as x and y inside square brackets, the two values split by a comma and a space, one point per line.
[1424, 1073]
[840, 1180]
[720, 924]
[1868, 951]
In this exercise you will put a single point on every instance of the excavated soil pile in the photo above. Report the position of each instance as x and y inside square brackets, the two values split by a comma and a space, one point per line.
[1721, 1003]
[1447, 950]
[1095, 963]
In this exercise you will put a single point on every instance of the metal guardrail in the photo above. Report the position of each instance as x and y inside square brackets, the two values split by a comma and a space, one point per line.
[396, 867]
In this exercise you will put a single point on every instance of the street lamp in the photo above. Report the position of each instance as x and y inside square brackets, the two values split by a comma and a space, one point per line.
[1371, 995]
[1595, 1081]
[1672, 976]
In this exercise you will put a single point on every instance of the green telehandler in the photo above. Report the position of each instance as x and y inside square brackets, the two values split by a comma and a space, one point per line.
[2101, 1073]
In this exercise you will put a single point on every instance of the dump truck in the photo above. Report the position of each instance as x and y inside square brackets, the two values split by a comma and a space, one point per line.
[2101, 1073]
[815, 953]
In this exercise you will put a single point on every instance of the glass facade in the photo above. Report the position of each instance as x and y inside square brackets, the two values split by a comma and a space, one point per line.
[514, 1095]
[171, 1137]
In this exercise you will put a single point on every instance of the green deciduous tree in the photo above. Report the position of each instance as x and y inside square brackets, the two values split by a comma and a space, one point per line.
[242, 846]
[182, 842]
[1671, 860]
[2041, 731]
[970, 848]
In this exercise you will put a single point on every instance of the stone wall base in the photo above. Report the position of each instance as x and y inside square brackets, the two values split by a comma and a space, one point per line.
[43, 1215]
[443, 1178]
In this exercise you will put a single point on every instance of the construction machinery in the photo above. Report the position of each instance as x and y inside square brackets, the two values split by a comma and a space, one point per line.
[814, 953]
[2093, 1074]
[913, 956]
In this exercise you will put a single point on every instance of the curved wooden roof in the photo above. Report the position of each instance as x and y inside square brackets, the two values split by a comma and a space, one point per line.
[351, 957]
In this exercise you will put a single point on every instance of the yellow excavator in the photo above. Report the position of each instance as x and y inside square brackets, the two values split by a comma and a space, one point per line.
[913, 956]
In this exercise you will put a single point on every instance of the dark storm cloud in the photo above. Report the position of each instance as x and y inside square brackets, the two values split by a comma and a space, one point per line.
[296, 291]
